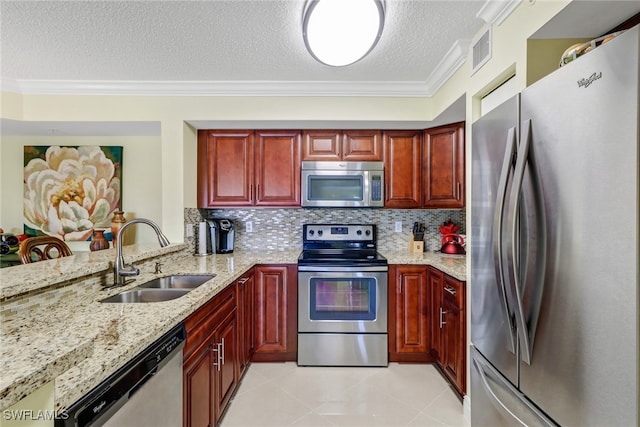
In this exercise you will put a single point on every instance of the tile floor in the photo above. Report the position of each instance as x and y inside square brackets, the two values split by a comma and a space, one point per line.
[283, 394]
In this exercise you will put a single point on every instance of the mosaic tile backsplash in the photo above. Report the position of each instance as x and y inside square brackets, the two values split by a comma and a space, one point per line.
[281, 229]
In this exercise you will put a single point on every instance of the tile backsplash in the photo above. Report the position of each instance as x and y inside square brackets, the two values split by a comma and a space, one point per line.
[281, 229]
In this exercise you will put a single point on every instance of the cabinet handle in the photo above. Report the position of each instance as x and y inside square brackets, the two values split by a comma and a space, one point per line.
[219, 350]
[442, 321]
[243, 281]
[459, 190]
[451, 290]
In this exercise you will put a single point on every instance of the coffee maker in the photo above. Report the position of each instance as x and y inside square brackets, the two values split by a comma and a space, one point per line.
[221, 236]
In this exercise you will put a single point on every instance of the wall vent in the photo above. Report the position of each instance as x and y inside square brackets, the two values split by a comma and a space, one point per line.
[481, 50]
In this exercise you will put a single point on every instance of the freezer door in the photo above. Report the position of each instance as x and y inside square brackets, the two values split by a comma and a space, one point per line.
[496, 402]
[492, 318]
[584, 134]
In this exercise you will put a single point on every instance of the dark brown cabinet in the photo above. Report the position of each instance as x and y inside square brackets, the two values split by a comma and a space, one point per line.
[246, 321]
[403, 168]
[409, 314]
[248, 168]
[449, 327]
[424, 169]
[210, 372]
[444, 170]
[276, 325]
[336, 145]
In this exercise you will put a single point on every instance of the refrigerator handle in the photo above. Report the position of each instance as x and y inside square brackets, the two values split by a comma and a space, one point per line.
[498, 237]
[492, 395]
[526, 329]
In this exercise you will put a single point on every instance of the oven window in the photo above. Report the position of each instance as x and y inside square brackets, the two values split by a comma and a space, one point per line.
[336, 188]
[342, 299]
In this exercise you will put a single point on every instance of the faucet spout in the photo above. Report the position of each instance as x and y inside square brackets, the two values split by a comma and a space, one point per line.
[120, 269]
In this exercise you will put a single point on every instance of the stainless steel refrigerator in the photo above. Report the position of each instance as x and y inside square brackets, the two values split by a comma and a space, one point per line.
[554, 248]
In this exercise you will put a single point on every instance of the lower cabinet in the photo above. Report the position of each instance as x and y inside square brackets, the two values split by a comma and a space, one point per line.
[409, 314]
[210, 372]
[449, 326]
[427, 320]
[246, 320]
[276, 318]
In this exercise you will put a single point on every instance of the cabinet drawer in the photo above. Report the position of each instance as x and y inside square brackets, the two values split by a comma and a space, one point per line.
[453, 291]
[202, 323]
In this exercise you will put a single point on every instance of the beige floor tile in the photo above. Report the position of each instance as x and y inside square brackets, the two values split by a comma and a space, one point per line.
[283, 394]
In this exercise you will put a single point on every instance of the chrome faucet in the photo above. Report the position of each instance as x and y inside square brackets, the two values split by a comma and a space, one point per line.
[120, 269]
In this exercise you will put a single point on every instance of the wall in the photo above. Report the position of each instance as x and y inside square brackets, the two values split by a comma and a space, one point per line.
[281, 229]
[141, 193]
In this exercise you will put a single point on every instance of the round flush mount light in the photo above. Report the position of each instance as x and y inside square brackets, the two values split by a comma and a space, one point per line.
[341, 32]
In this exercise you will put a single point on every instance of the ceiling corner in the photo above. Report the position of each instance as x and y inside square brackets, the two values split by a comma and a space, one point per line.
[446, 68]
[496, 11]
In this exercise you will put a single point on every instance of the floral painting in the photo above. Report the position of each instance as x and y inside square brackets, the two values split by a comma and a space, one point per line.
[69, 191]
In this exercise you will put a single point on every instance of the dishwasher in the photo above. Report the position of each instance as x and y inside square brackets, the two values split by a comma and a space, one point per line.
[147, 391]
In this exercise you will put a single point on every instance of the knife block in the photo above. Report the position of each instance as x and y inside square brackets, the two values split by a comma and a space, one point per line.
[416, 246]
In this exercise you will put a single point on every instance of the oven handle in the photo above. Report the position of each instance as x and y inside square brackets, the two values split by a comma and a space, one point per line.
[353, 269]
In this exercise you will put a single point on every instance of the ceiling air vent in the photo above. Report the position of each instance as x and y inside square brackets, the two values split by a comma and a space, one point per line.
[481, 49]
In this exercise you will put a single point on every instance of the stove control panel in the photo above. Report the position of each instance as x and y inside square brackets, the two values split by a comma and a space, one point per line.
[333, 232]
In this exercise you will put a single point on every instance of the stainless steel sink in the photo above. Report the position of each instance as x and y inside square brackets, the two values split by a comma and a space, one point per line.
[147, 295]
[190, 281]
[162, 289]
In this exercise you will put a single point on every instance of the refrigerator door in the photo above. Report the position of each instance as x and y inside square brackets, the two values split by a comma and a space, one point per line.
[496, 402]
[493, 148]
[584, 134]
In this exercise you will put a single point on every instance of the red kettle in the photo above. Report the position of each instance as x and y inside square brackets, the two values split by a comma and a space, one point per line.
[452, 244]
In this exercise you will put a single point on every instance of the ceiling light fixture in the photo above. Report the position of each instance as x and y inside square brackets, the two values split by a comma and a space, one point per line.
[341, 32]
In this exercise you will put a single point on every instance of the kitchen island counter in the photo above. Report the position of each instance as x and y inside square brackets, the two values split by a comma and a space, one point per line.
[89, 340]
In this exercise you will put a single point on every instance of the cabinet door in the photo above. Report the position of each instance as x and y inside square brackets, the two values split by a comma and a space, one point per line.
[362, 145]
[277, 168]
[276, 313]
[435, 278]
[402, 168]
[225, 369]
[452, 358]
[410, 318]
[321, 145]
[225, 168]
[198, 402]
[444, 167]
[245, 322]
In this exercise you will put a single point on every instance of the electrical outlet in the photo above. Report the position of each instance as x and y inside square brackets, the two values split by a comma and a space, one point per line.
[188, 230]
[398, 227]
[249, 226]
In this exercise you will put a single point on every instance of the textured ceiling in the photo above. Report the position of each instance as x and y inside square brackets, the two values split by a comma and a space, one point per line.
[219, 40]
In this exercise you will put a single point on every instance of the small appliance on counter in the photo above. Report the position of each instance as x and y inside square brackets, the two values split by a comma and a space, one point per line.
[226, 231]
[452, 243]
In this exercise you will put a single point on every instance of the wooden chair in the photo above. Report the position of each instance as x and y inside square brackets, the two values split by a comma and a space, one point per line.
[53, 248]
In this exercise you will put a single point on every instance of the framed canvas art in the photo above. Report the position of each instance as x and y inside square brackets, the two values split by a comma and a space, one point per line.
[71, 190]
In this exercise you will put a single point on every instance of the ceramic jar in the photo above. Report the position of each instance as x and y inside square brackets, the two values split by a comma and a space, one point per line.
[116, 224]
[98, 241]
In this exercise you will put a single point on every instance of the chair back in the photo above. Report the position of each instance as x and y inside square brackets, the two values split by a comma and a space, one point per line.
[43, 247]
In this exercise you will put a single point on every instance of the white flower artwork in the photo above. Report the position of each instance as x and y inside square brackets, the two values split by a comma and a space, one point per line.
[70, 191]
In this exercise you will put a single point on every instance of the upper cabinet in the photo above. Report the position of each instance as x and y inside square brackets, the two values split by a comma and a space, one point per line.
[337, 145]
[424, 169]
[248, 168]
[402, 166]
[443, 167]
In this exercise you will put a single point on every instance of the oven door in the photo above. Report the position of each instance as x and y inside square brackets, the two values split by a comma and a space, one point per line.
[339, 300]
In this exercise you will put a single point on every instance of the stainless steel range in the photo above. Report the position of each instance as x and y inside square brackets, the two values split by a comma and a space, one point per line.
[342, 297]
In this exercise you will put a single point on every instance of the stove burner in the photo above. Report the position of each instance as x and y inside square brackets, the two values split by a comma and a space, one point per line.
[340, 245]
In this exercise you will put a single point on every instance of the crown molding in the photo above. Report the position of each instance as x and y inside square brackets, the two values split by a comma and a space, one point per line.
[496, 11]
[446, 68]
[216, 88]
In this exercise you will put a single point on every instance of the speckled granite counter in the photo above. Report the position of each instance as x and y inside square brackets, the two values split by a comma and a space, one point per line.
[453, 265]
[80, 341]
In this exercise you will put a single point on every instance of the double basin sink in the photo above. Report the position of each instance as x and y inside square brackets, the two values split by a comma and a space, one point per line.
[161, 289]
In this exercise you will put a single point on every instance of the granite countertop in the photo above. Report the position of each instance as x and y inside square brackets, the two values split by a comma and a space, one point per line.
[83, 341]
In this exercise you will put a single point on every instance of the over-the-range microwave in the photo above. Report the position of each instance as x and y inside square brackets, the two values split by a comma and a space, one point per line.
[343, 184]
